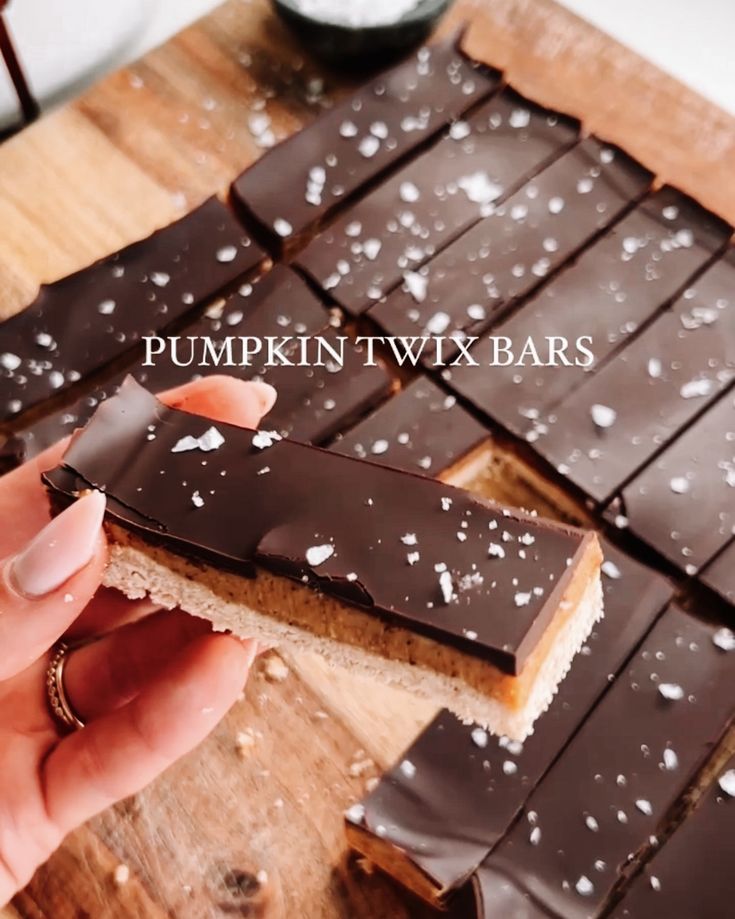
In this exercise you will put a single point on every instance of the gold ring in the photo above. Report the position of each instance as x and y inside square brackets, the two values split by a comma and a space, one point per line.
[58, 701]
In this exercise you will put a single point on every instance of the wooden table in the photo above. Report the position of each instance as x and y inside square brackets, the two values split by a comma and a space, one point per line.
[260, 834]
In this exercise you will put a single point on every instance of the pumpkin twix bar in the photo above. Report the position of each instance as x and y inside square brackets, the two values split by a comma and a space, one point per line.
[411, 580]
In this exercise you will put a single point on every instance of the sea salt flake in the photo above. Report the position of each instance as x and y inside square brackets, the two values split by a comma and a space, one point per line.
[644, 806]
[479, 738]
[409, 539]
[160, 278]
[379, 447]
[438, 323]
[654, 368]
[369, 146]
[413, 557]
[282, 227]
[679, 485]
[671, 691]
[724, 639]
[522, 599]
[603, 416]
[535, 836]
[447, 586]
[317, 555]
[106, 307]
[264, 439]
[10, 361]
[727, 782]
[197, 500]
[611, 570]
[408, 768]
[694, 389]
[495, 550]
[671, 760]
[355, 813]
[409, 192]
[479, 187]
[226, 254]
[416, 285]
[584, 886]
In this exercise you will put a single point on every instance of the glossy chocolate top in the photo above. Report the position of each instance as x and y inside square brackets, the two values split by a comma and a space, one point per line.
[615, 422]
[683, 503]
[522, 242]
[621, 281]
[614, 786]
[313, 401]
[410, 550]
[79, 324]
[422, 429]
[361, 136]
[407, 218]
[462, 788]
[692, 874]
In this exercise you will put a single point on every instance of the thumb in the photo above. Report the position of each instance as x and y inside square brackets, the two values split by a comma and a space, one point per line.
[49, 582]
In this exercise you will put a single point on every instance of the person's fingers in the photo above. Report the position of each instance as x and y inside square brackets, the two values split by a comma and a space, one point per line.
[108, 610]
[23, 498]
[110, 672]
[122, 751]
[45, 586]
[223, 399]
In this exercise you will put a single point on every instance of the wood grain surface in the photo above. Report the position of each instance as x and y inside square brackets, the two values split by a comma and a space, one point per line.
[256, 831]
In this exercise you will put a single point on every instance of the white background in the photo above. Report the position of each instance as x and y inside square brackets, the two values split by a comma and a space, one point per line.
[65, 44]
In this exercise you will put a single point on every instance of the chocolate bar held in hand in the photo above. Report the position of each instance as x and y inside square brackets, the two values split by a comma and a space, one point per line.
[411, 580]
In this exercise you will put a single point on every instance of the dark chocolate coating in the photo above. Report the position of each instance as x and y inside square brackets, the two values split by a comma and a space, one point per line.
[79, 324]
[683, 504]
[463, 797]
[720, 575]
[313, 402]
[692, 875]
[520, 244]
[422, 429]
[360, 137]
[496, 897]
[617, 284]
[615, 784]
[434, 197]
[656, 385]
[240, 506]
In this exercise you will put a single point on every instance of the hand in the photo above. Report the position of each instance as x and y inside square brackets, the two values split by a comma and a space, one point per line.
[150, 686]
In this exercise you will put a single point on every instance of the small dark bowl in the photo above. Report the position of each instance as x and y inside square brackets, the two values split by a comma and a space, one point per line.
[361, 48]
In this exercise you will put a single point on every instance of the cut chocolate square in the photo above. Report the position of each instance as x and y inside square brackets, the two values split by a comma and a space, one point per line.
[683, 503]
[403, 222]
[597, 813]
[421, 430]
[614, 287]
[692, 874]
[399, 576]
[603, 432]
[455, 792]
[359, 138]
[523, 241]
[81, 323]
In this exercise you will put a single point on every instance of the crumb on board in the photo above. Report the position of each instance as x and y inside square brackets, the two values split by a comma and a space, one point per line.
[121, 875]
[275, 669]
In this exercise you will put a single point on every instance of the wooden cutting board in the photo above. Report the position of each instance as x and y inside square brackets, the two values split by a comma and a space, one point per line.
[260, 834]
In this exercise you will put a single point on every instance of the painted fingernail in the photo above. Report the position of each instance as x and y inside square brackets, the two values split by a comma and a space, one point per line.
[62, 548]
[266, 394]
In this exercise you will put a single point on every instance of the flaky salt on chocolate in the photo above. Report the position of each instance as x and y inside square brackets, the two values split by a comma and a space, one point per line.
[398, 576]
